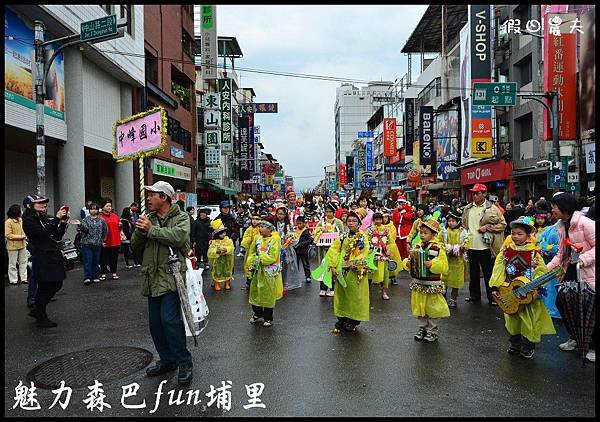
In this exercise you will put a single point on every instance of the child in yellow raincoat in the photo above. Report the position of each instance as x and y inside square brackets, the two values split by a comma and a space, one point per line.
[248, 238]
[347, 264]
[457, 241]
[220, 254]
[427, 297]
[264, 263]
[519, 256]
[381, 243]
[394, 252]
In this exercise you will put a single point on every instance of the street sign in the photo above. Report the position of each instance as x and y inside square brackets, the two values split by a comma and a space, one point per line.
[258, 108]
[572, 177]
[98, 28]
[348, 186]
[495, 93]
[365, 134]
[393, 168]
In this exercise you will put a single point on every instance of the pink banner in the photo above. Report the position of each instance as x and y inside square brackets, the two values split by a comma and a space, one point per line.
[139, 135]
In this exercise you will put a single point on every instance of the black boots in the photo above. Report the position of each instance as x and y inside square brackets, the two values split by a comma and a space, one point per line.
[39, 313]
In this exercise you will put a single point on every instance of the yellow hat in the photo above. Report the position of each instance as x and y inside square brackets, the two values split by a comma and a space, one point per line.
[217, 226]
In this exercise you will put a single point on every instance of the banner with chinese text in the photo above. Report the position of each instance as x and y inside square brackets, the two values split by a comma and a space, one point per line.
[389, 137]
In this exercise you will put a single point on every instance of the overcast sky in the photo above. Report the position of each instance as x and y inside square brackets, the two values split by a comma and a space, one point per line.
[359, 42]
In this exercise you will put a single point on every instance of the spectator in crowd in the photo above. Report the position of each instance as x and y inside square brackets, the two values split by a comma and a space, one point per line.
[579, 230]
[85, 211]
[228, 220]
[485, 223]
[191, 211]
[110, 248]
[94, 231]
[133, 209]
[127, 228]
[15, 245]
[530, 208]
[44, 234]
[516, 210]
[201, 235]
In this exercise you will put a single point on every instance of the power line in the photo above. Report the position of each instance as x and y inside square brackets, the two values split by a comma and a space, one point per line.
[279, 73]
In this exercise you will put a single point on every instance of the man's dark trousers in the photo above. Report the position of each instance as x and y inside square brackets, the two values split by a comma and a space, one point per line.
[477, 258]
[167, 330]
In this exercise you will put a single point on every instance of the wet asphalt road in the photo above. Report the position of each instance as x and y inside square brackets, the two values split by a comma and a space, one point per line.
[306, 370]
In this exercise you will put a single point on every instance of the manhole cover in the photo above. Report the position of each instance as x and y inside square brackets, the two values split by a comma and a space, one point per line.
[80, 369]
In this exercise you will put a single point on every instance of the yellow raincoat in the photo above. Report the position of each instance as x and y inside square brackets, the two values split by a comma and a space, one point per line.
[432, 305]
[393, 249]
[351, 301]
[455, 277]
[221, 265]
[264, 262]
[382, 274]
[249, 237]
[533, 320]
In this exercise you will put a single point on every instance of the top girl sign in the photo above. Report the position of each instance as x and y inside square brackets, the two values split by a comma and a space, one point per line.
[140, 135]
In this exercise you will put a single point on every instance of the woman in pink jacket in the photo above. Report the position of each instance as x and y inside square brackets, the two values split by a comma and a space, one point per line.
[580, 230]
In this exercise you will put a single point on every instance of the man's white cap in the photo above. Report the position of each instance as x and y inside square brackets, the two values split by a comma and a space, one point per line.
[164, 187]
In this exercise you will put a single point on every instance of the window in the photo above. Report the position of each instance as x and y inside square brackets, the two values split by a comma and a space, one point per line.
[524, 71]
[525, 127]
[126, 12]
[151, 67]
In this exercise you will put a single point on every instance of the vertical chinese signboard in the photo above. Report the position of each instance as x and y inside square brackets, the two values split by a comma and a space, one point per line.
[426, 150]
[369, 156]
[225, 91]
[244, 136]
[212, 118]
[209, 41]
[389, 137]
[560, 73]
[481, 71]
[465, 96]
[409, 119]
[343, 178]
[251, 144]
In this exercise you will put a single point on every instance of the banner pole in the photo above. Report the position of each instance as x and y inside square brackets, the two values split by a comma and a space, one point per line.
[142, 184]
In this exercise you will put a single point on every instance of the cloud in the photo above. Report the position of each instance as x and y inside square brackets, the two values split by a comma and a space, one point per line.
[359, 42]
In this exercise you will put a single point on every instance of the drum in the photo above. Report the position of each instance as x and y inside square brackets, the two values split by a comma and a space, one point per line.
[418, 257]
[392, 266]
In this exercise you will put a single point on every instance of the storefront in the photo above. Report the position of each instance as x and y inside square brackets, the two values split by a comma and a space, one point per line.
[531, 183]
[495, 175]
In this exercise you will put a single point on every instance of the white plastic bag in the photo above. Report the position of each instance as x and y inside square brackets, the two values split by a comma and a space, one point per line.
[196, 298]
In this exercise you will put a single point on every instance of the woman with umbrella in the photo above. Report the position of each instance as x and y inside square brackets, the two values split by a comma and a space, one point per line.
[580, 232]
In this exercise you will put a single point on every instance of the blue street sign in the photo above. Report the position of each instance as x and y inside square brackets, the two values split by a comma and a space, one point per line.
[393, 168]
[366, 134]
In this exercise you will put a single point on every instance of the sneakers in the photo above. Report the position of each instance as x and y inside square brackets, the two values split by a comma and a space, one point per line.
[207, 267]
[239, 254]
[568, 345]
[137, 265]
[384, 295]
[420, 335]
[329, 293]
[96, 280]
[430, 337]
[322, 293]
[513, 350]
[87, 281]
[591, 355]
[128, 266]
[527, 354]
[308, 280]
[451, 303]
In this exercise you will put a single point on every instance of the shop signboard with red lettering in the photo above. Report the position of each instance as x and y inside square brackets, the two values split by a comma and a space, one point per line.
[389, 137]
[487, 172]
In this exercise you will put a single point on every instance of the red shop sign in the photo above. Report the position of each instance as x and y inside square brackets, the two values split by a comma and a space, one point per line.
[486, 172]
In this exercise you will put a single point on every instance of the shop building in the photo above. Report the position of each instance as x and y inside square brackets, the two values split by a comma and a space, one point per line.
[90, 90]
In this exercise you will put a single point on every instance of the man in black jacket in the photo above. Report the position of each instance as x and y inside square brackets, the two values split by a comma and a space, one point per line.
[44, 234]
[228, 221]
[201, 235]
[304, 242]
[513, 214]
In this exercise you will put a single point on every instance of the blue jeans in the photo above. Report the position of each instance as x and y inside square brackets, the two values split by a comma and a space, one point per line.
[167, 330]
[91, 260]
[31, 286]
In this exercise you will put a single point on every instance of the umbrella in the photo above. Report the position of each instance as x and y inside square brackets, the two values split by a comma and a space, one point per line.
[577, 300]
[175, 267]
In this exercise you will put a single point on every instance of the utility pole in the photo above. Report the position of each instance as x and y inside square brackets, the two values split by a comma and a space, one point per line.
[554, 125]
[41, 71]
